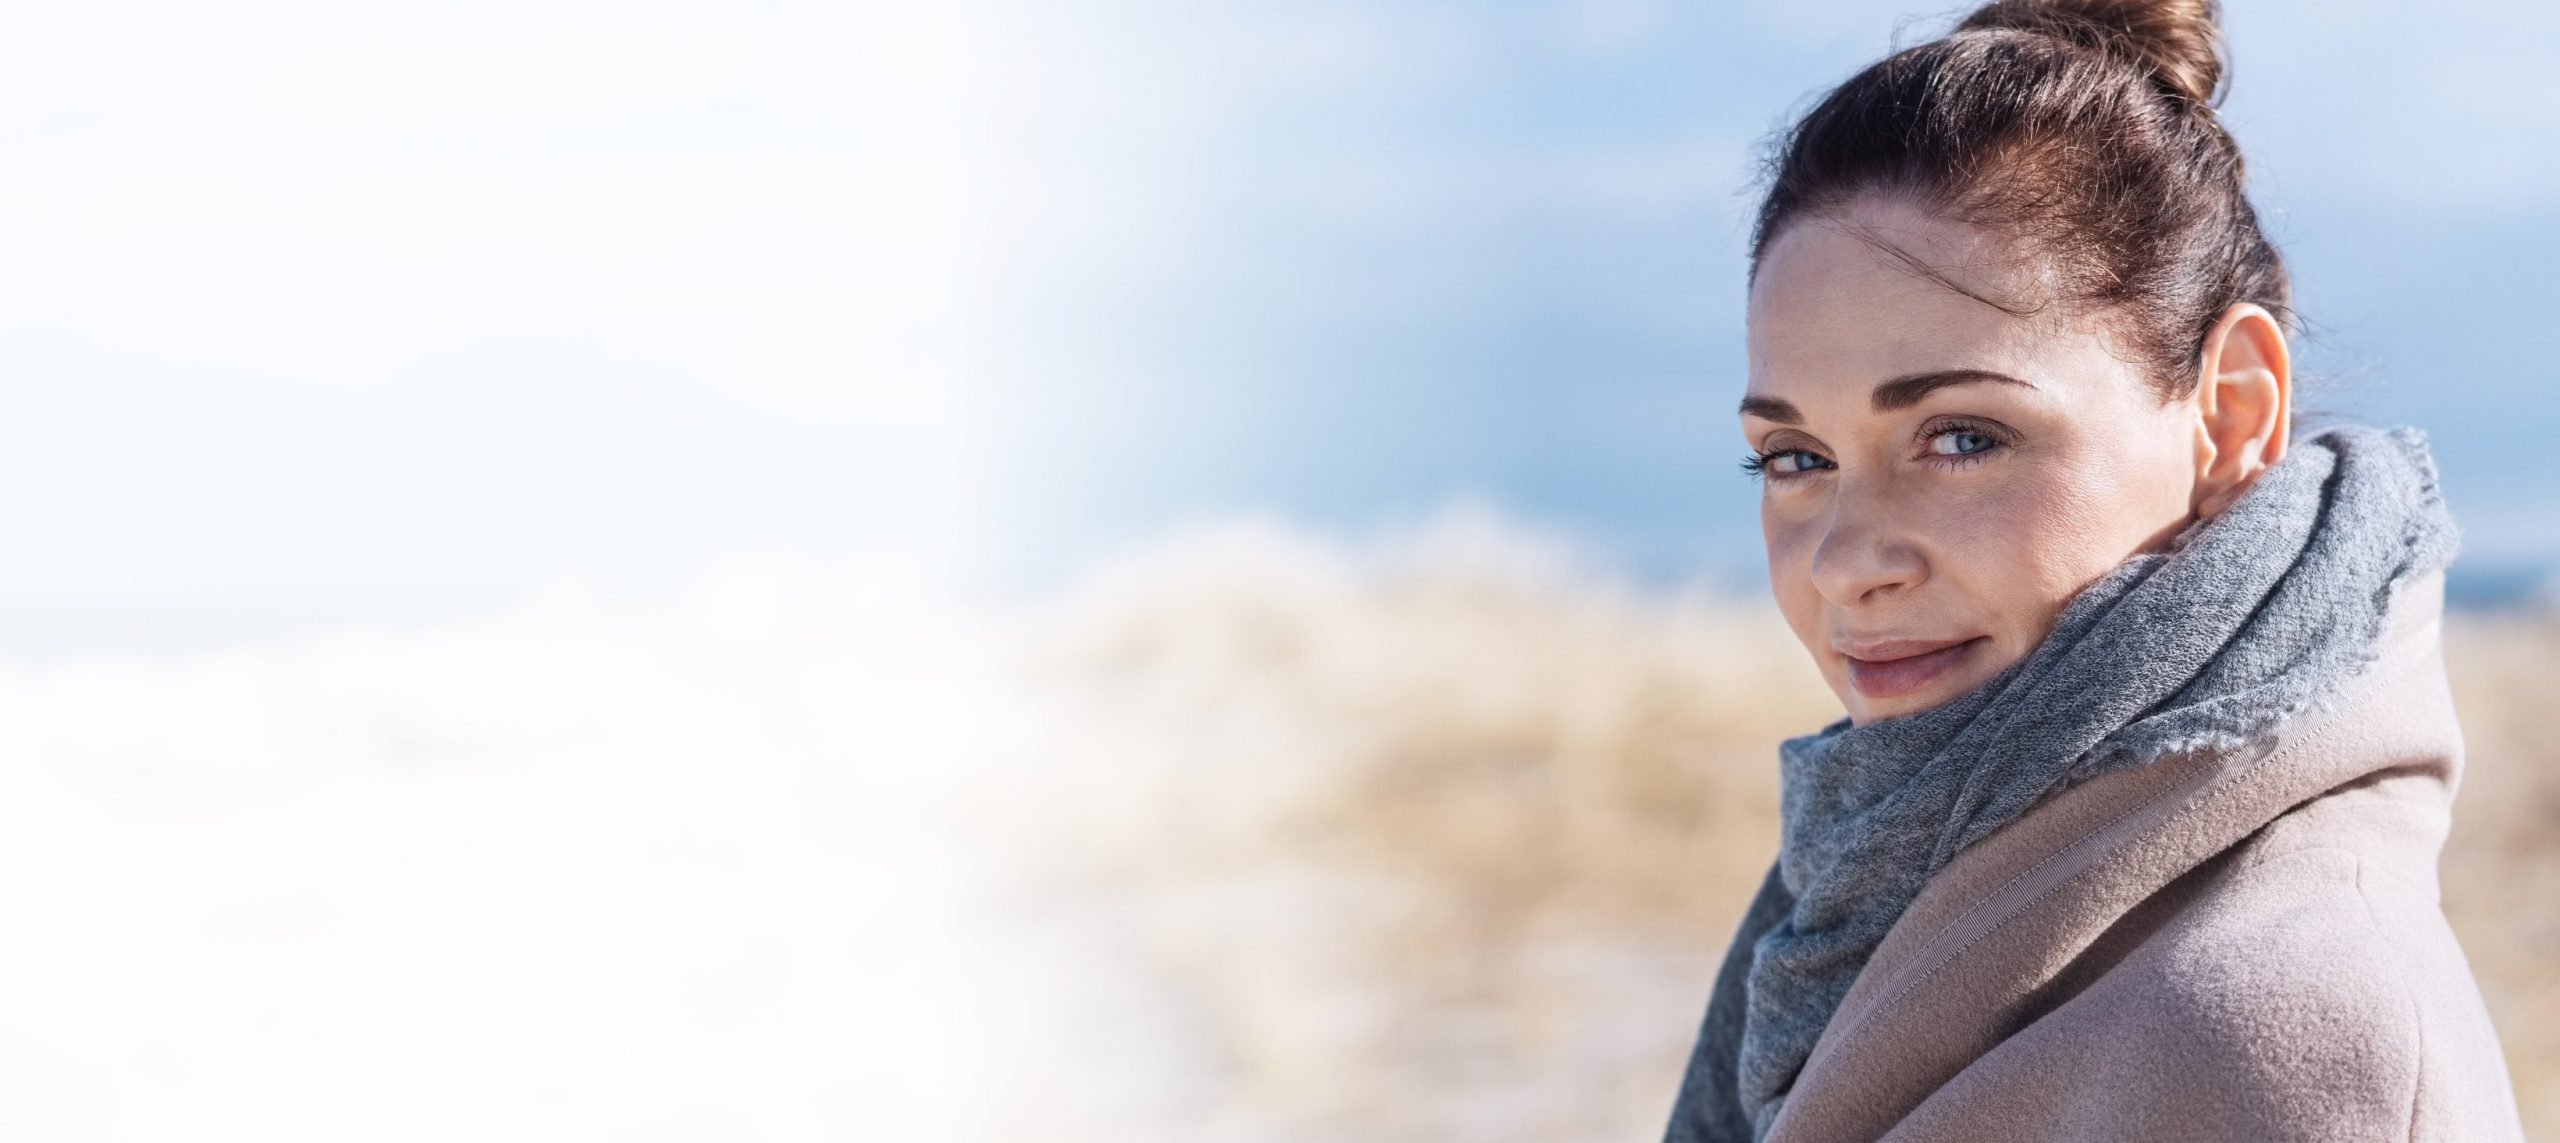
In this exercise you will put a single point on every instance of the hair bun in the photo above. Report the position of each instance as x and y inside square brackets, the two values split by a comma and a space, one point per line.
[2179, 41]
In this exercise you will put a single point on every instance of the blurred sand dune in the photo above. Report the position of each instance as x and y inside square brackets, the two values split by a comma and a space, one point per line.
[1251, 835]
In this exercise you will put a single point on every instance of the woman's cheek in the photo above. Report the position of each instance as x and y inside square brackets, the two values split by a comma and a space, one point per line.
[2048, 533]
[2006, 540]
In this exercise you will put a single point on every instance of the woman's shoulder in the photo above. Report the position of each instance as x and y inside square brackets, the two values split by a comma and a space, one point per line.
[2279, 947]
[2302, 985]
[2282, 993]
[2334, 904]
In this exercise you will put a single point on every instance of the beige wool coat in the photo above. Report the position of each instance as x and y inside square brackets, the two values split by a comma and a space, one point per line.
[2208, 947]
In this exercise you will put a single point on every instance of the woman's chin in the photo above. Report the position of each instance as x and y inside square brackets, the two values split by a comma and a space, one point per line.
[1863, 710]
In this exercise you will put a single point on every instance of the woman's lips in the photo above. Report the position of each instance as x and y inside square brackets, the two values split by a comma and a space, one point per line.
[1901, 668]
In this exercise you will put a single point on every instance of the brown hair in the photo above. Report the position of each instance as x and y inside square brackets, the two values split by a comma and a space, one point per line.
[2085, 127]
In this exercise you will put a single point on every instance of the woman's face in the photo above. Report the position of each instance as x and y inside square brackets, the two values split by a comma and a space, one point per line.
[1939, 477]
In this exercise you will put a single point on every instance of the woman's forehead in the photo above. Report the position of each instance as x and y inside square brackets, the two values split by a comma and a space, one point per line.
[1876, 259]
[1882, 290]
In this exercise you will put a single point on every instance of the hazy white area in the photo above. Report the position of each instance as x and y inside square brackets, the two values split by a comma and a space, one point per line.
[318, 313]
[567, 872]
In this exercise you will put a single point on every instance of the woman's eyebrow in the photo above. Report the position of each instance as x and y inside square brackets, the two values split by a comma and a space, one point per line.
[1771, 409]
[1905, 391]
[1900, 393]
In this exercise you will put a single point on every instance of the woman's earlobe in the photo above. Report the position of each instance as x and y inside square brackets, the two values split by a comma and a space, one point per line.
[2212, 503]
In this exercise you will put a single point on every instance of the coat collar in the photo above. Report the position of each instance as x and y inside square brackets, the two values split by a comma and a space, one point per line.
[1981, 949]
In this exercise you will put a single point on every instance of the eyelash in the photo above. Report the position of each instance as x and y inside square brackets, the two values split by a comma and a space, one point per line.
[1757, 464]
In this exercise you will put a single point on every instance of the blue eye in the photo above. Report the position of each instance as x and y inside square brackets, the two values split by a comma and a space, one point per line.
[1784, 462]
[1966, 442]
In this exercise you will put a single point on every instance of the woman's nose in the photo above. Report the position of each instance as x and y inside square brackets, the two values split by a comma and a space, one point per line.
[1864, 555]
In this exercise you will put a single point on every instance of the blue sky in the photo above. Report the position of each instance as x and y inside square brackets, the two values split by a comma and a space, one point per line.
[1346, 262]
[319, 314]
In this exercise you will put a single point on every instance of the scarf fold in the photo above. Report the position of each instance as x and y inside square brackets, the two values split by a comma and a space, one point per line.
[2246, 619]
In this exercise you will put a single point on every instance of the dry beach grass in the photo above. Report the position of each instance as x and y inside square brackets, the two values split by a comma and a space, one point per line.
[1445, 840]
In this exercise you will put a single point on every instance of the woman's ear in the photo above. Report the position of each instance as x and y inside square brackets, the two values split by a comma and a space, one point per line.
[2244, 405]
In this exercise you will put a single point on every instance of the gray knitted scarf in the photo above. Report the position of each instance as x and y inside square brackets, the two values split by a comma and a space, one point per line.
[2247, 619]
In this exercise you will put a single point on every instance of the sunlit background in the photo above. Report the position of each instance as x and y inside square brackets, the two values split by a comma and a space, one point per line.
[1116, 570]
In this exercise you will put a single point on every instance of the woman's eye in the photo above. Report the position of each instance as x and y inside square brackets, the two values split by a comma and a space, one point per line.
[1782, 462]
[1961, 442]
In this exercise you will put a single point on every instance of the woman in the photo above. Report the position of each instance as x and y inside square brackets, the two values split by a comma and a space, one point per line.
[2131, 828]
